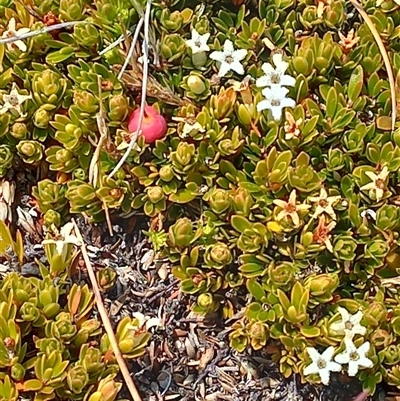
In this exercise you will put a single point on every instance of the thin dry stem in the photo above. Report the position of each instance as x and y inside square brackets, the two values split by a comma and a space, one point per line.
[136, 134]
[385, 57]
[132, 48]
[40, 31]
[103, 130]
[106, 321]
[94, 167]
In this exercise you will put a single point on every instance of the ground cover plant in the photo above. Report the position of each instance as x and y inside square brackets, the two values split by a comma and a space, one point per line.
[259, 141]
[52, 346]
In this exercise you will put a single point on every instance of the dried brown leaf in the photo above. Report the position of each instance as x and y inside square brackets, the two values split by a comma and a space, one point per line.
[206, 357]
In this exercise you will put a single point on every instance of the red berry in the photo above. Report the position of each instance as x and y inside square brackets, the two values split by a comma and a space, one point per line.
[154, 125]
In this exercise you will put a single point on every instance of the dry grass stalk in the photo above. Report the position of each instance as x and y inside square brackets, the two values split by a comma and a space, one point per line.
[106, 321]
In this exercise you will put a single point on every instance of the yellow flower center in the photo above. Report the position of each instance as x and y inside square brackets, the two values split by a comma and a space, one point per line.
[321, 364]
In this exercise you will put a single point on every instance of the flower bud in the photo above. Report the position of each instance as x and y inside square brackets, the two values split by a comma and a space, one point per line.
[77, 379]
[242, 201]
[86, 101]
[41, 118]
[244, 115]
[166, 173]
[196, 84]
[218, 255]
[118, 108]
[375, 314]
[19, 131]
[30, 151]
[323, 284]
[181, 233]
[52, 217]
[155, 194]
[392, 355]
[184, 153]
[219, 200]
[205, 301]
[107, 390]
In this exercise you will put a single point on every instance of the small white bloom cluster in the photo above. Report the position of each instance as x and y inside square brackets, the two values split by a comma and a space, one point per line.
[274, 83]
[229, 58]
[354, 357]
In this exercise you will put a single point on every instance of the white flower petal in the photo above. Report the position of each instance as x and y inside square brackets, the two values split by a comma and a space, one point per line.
[276, 112]
[12, 24]
[365, 362]
[287, 80]
[352, 370]
[263, 81]
[237, 67]
[218, 56]
[313, 353]
[268, 68]
[334, 367]
[228, 47]
[324, 374]
[338, 326]
[263, 105]
[311, 369]
[204, 38]
[344, 314]
[239, 54]
[195, 35]
[356, 318]
[280, 65]
[328, 353]
[224, 69]
[363, 349]
[66, 229]
[21, 46]
[280, 92]
[342, 358]
[59, 247]
[288, 102]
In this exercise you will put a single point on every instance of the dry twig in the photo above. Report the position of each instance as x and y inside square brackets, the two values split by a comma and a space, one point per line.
[138, 131]
[106, 321]
[384, 54]
[94, 167]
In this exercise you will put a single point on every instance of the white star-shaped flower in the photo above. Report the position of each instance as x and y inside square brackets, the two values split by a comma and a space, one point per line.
[65, 238]
[290, 208]
[10, 32]
[198, 43]
[275, 101]
[324, 204]
[275, 76]
[349, 325]
[355, 357]
[230, 59]
[378, 183]
[322, 364]
[188, 128]
[13, 101]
